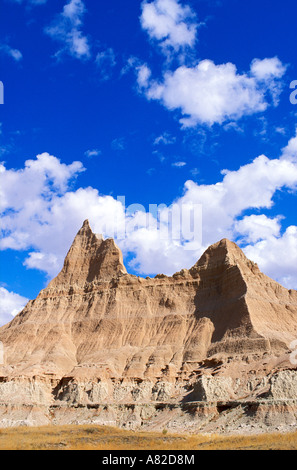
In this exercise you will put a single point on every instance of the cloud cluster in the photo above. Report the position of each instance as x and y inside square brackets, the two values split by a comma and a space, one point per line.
[204, 93]
[171, 24]
[210, 93]
[41, 214]
[27, 199]
[277, 255]
[67, 30]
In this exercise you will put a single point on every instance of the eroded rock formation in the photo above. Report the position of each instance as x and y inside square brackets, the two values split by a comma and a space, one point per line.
[100, 337]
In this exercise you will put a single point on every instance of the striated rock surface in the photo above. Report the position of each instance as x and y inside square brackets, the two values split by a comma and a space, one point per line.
[98, 336]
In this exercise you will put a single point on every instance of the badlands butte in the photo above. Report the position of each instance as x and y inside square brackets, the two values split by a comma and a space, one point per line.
[206, 350]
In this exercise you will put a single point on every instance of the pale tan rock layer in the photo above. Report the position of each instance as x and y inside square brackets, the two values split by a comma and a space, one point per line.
[95, 319]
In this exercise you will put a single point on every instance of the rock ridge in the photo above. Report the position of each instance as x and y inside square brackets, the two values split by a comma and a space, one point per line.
[97, 333]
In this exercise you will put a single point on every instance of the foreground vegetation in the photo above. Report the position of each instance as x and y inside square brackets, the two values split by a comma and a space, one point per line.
[105, 438]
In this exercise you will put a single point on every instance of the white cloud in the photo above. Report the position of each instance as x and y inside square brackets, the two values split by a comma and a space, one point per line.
[66, 29]
[253, 186]
[93, 153]
[106, 61]
[179, 164]
[165, 139]
[170, 23]
[204, 93]
[26, 199]
[48, 262]
[41, 213]
[254, 228]
[210, 93]
[277, 256]
[46, 176]
[10, 305]
[280, 130]
[143, 76]
[290, 151]
[267, 69]
[15, 54]
[153, 255]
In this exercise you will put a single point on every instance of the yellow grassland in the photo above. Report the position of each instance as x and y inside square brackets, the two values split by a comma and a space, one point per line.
[91, 437]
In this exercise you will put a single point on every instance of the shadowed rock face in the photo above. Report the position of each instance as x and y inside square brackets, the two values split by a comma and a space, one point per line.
[95, 317]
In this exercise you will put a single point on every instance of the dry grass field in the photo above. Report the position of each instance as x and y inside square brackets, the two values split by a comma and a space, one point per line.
[105, 438]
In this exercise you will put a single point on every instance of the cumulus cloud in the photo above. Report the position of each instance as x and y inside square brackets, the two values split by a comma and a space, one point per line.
[277, 256]
[267, 68]
[153, 254]
[45, 176]
[290, 151]
[251, 187]
[210, 93]
[254, 228]
[66, 29]
[27, 197]
[203, 92]
[10, 305]
[41, 213]
[169, 23]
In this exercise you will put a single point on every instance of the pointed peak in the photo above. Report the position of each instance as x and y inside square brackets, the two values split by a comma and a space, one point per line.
[226, 242]
[86, 228]
[228, 246]
[224, 252]
[86, 224]
[90, 258]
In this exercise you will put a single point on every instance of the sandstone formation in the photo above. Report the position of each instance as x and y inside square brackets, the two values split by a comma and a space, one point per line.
[206, 349]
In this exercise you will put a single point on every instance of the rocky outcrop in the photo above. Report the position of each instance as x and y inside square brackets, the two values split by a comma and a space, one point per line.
[90, 258]
[283, 385]
[98, 336]
[213, 389]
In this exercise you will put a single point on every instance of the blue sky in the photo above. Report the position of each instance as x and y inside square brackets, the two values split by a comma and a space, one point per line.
[163, 102]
